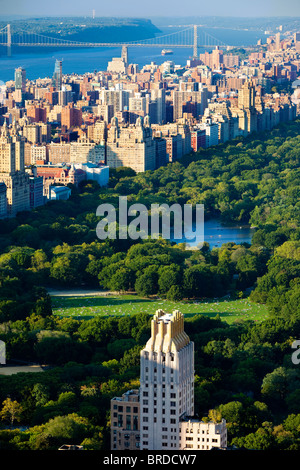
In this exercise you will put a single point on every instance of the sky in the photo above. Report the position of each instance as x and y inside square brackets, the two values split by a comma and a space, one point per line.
[151, 8]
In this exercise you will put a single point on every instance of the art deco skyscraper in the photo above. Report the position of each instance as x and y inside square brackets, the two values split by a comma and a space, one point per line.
[166, 382]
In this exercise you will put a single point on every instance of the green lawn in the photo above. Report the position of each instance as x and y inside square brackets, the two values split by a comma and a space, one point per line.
[121, 305]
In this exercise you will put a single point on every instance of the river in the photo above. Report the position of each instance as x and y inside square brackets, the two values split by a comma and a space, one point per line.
[41, 64]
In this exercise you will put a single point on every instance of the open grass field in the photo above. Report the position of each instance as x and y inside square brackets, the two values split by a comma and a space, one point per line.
[121, 305]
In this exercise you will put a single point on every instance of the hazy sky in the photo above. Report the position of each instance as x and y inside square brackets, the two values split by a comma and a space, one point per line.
[147, 8]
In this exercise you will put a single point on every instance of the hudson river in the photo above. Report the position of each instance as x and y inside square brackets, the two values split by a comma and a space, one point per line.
[41, 64]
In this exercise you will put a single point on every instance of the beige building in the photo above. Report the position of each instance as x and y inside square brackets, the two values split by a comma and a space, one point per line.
[12, 170]
[84, 151]
[125, 421]
[59, 152]
[131, 146]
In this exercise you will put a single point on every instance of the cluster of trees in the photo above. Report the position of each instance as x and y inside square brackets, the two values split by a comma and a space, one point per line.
[243, 373]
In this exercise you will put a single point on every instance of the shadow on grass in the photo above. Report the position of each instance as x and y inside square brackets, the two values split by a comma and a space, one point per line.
[65, 302]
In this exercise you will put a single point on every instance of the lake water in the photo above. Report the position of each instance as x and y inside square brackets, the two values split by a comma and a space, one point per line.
[217, 234]
[41, 64]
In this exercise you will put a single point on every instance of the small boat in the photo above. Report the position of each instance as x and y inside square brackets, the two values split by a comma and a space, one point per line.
[166, 52]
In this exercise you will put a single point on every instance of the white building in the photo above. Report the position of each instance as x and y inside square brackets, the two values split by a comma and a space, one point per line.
[59, 193]
[95, 173]
[38, 152]
[197, 435]
[165, 405]
[167, 382]
[211, 130]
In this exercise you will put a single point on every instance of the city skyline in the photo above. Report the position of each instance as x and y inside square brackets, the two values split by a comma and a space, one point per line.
[269, 8]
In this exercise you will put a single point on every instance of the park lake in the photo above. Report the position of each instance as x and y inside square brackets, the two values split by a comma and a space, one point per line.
[216, 234]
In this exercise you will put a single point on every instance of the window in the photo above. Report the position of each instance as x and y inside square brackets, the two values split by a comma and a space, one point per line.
[145, 394]
[145, 428]
[128, 422]
[128, 409]
[145, 410]
[126, 436]
[145, 402]
[120, 409]
[135, 423]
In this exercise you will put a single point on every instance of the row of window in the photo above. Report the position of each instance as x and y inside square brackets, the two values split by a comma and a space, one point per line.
[199, 439]
[155, 356]
[172, 395]
[163, 420]
[129, 409]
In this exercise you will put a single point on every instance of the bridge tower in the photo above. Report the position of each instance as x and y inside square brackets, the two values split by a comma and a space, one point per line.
[8, 40]
[195, 47]
[125, 54]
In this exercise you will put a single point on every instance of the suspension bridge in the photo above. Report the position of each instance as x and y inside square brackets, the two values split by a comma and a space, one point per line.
[190, 37]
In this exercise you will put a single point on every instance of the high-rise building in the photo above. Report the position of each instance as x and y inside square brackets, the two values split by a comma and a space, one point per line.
[12, 170]
[125, 421]
[71, 116]
[20, 79]
[57, 76]
[159, 416]
[132, 146]
[3, 200]
[166, 382]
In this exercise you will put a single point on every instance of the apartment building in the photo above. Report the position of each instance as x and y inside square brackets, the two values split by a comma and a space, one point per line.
[125, 421]
[132, 146]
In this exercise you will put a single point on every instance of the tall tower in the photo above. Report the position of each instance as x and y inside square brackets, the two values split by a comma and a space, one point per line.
[166, 382]
[57, 76]
[12, 170]
[125, 55]
[246, 96]
[195, 46]
[20, 79]
[8, 40]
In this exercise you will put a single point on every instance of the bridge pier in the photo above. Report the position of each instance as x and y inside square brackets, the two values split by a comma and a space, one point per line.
[195, 46]
[8, 40]
[125, 54]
